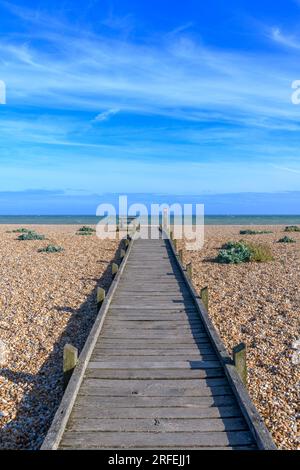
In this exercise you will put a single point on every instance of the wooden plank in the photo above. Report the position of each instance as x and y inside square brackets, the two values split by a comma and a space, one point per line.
[157, 424]
[159, 392]
[104, 351]
[136, 440]
[143, 364]
[141, 374]
[100, 356]
[161, 402]
[95, 410]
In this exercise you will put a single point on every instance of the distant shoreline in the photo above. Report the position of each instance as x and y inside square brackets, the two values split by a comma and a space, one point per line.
[92, 220]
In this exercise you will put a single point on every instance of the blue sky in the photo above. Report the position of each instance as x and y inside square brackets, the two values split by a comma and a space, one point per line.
[169, 97]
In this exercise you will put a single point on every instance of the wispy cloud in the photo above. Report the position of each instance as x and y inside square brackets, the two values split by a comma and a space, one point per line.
[105, 115]
[286, 40]
[177, 78]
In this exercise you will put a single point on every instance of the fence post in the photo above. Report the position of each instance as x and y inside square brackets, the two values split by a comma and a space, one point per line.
[114, 269]
[165, 219]
[175, 245]
[240, 362]
[70, 359]
[189, 270]
[100, 295]
[204, 296]
[180, 255]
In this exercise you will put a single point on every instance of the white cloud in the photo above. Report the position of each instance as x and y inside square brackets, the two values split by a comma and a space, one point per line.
[289, 41]
[106, 114]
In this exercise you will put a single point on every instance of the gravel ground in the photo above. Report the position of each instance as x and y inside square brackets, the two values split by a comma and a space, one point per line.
[46, 300]
[258, 303]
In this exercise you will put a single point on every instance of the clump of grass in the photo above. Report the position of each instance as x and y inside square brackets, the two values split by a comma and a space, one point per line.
[21, 230]
[254, 232]
[292, 228]
[31, 235]
[286, 240]
[242, 252]
[86, 229]
[51, 249]
[260, 253]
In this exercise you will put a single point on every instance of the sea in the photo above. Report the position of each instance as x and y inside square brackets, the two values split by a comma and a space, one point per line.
[208, 219]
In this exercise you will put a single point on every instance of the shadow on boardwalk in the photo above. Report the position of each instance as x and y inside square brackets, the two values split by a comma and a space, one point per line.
[36, 410]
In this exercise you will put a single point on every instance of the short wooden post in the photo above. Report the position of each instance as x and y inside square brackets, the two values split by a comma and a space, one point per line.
[175, 245]
[180, 256]
[122, 253]
[189, 270]
[114, 269]
[204, 297]
[69, 362]
[100, 295]
[171, 234]
[239, 359]
[165, 219]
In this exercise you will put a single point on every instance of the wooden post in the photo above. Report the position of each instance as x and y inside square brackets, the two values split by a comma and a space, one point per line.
[100, 295]
[122, 253]
[175, 245]
[180, 255]
[189, 270]
[204, 297]
[165, 219]
[239, 359]
[69, 362]
[171, 234]
[114, 269]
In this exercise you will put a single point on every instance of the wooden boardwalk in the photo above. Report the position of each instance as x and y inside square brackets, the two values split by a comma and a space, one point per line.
[151, 374]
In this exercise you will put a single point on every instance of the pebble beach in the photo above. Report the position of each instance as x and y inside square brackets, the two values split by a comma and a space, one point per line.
[46, 301]
[259, 304]
[49, 299]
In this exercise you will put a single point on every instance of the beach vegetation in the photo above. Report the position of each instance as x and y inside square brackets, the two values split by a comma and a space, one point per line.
[242, 252]
[254, 232]
[31, 235]
[86, 229]
[292, 228]
[51, 249]
[21, 230]
[286, 240]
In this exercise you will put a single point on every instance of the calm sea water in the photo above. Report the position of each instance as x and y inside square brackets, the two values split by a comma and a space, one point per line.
[209, 219]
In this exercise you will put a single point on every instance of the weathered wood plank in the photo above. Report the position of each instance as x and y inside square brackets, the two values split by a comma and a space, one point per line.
[95, 410]
[155, 440]
[162, 402]
[143, 364]
[156, 424]
[162, 374]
